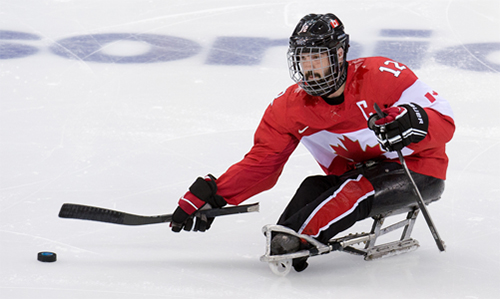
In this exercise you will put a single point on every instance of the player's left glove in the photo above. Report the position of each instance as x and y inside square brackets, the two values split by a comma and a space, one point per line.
[201, 195]
[401, 126]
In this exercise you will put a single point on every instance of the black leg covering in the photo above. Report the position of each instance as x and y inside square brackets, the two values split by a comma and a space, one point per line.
[393, 191]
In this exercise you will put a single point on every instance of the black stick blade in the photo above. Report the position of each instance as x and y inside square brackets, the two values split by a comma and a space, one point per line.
[75, 211]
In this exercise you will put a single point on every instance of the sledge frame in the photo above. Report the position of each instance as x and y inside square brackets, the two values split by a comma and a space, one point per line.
[371, 250]
[281, 264]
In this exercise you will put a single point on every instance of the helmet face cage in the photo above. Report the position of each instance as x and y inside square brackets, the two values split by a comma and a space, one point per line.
[313, 55]
[315, 69]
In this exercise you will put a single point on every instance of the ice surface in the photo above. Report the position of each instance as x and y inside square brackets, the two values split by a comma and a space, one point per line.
[133, 134]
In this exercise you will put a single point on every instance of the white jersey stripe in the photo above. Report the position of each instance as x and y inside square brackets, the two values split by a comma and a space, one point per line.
[416, 94]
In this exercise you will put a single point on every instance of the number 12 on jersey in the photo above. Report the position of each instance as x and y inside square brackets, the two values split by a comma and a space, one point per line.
[396, 72]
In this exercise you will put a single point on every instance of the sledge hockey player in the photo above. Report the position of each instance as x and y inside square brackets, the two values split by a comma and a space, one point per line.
[330, 110]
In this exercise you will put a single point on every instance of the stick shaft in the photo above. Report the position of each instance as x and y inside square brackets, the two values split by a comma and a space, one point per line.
[420, 200]
[84, 212]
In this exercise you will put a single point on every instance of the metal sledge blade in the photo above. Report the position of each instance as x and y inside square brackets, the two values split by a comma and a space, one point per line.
[391, 249]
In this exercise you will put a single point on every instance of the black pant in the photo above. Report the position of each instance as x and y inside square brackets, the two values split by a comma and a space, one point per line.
[392, 188]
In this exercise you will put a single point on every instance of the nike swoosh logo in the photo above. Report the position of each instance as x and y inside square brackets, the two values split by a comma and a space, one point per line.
[303, 130]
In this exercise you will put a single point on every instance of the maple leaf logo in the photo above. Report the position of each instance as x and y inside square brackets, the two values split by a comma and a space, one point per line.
[353, 151]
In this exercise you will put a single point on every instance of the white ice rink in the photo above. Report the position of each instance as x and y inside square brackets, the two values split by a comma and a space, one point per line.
[90, 115]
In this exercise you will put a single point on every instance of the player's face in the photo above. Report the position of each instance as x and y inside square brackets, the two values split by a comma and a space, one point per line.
[316, 66]
[317, 70]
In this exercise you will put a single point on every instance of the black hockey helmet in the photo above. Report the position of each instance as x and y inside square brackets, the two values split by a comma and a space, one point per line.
[317, 36]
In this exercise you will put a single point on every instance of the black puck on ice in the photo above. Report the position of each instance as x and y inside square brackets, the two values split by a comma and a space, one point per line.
[46, 256]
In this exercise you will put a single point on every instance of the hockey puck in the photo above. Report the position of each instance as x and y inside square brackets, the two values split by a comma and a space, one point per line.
[46, 256]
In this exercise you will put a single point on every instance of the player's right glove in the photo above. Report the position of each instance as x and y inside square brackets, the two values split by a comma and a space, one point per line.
[201, 195]
[401, 126]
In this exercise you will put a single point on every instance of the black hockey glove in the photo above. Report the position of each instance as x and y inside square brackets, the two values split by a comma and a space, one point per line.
[201, 195]
[401, 126]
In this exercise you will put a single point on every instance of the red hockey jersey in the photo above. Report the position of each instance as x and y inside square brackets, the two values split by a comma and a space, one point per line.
[337, 135]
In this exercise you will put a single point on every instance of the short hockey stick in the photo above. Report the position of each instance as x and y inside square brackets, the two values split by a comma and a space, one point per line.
[420, 200]
[77, 211]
